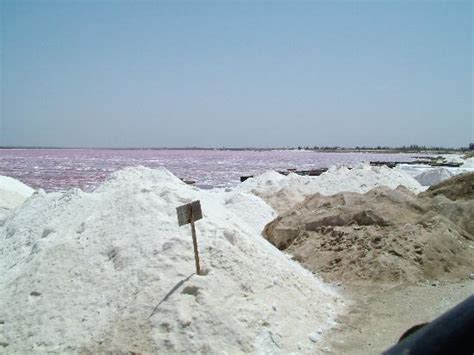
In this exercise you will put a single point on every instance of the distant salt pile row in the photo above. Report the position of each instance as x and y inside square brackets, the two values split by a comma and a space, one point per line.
[112, 271]
[429, 176]
[283, 192]
[459, 159]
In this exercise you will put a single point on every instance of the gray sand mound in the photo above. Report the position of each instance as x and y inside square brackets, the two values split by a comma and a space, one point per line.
[460, 187]
[383, 235]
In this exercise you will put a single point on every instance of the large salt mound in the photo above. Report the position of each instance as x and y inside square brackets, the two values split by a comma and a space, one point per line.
[111, 271]
[12, 194]
[283, 192]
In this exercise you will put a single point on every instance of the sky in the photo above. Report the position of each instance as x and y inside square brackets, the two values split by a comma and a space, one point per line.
[236, 73]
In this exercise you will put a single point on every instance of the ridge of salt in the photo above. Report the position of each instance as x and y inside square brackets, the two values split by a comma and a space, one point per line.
[361, 178]
[12, 194]
[10, 184]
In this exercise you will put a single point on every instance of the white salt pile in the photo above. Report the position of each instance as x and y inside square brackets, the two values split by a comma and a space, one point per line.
[12, 194]
[112, 271]
[364, 178]
[283, 192]
[428, 176]
[434, 176]
[452, 158]
[413, 169]
[16, 186]
[468, 164]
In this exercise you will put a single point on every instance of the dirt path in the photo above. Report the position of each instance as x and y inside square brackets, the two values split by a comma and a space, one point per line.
[379, 315]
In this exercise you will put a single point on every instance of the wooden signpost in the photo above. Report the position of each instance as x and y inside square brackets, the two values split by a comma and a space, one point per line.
[190, 213]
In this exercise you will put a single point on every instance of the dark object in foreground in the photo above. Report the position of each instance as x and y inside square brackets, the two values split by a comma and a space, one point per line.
[451, 333]
[411, 331]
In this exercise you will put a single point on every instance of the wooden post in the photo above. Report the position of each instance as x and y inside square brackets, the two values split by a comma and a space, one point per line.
[190, 213]
[196, 251]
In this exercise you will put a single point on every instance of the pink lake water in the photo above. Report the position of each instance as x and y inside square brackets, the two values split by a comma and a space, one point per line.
[62, 169]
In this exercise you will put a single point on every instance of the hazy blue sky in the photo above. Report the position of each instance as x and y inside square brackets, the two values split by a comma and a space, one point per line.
[225, 73]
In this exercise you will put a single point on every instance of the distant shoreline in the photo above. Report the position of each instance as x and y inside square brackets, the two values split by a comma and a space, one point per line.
[436, 150]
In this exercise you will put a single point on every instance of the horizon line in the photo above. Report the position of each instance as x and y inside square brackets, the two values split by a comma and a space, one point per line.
[316, 148]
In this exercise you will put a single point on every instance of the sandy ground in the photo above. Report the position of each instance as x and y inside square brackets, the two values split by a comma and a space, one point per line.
[380, 314]
[382, 247]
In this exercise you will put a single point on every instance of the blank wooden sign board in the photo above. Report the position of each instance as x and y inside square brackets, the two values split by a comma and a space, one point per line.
[186, 211]
[190, 213]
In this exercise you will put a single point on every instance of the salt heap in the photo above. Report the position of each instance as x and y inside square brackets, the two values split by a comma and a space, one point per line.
[12, 194]
[112, 271]
[434, 176]
[468, 164]
[429, 176]
[452, 158]
[412, 169]
[282, 192]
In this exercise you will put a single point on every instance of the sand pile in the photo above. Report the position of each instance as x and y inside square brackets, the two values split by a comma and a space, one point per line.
[283, 192]
[12, 194]
[112, 271]
[383, 235]
[460, 187]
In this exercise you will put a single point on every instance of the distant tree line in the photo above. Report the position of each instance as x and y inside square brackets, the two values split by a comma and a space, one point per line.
[404, 148]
